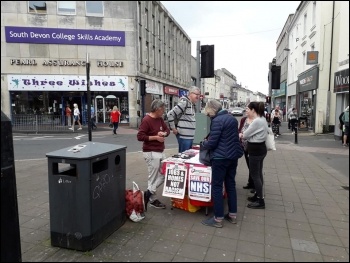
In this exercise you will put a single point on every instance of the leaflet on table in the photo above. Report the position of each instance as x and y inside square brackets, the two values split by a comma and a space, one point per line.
[175, 180]
[199, 183]
[173, 160]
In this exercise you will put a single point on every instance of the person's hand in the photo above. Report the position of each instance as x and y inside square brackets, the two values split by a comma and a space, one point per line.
[162, 134]
[175, 131]
[160, 138]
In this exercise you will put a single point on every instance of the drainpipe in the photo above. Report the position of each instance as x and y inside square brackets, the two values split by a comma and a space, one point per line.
[330, 75]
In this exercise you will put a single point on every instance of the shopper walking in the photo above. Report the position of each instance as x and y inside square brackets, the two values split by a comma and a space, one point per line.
[76, 117]
[115, 118]
[68, 115]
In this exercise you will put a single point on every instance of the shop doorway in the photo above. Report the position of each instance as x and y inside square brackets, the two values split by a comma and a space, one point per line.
[104, 106]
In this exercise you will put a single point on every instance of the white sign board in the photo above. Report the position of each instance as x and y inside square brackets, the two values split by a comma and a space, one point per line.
[175, 180]
[199, 183]
[66, 83]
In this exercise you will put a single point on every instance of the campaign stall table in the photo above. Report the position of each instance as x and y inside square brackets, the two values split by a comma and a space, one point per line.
[187, 177]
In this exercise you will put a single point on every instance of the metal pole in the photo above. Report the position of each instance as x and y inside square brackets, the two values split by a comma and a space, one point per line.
[198, 105]
[88, 95]
[296, 132]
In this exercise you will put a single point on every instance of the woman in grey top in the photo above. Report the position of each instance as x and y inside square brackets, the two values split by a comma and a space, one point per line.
[256, 135]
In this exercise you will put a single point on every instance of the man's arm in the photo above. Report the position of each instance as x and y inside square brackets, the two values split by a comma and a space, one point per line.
[175, 112]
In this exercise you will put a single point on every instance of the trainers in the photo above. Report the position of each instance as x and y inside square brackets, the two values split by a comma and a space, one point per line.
[80, 128]
[71, 129]
[252, 198]
[232, 220]
[157, 204]
[212, 222]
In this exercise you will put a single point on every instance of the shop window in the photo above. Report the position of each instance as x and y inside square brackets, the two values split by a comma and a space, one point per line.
[37, 7]
[66, 7]
[94, 8]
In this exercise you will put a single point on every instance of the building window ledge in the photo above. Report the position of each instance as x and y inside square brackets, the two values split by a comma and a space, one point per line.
[312, 34]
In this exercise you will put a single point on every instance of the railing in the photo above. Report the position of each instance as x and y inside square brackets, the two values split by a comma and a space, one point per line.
[39, 123]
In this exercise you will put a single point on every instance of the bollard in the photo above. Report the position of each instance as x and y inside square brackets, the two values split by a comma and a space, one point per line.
[296, 133]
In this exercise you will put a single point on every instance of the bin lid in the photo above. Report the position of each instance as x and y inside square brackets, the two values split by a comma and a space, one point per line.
[86, 150]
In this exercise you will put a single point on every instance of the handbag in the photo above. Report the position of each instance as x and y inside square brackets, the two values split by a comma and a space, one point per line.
[204, 155]
[110, 125]
[270, 141]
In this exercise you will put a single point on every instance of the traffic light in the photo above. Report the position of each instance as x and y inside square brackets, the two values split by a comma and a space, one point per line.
[207, 61]
[142, 87]
[268, 99]
[275, 77]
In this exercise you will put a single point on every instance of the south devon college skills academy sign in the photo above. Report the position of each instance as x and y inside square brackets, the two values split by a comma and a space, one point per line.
[40, 35]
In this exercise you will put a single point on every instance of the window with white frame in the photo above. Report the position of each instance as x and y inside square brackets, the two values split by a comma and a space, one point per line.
[66, 7]
[94, 8]
[305, 23]
[37, 7]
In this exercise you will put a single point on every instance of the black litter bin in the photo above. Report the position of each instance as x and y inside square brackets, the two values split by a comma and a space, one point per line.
[86, 194]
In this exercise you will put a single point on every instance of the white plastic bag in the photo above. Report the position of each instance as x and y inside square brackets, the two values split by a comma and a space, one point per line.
[270, 141]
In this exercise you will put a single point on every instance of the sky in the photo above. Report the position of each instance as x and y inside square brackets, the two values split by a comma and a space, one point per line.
[244, 34]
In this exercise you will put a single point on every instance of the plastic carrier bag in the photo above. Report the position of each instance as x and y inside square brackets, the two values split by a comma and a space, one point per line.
[134, 203]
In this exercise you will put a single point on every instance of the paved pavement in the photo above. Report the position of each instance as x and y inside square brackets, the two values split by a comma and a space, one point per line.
[306, 216]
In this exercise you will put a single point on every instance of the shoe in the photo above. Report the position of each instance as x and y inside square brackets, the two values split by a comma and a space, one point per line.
[248, 186]
[252, 191]
[258, 204]
[212, 222]
[80, 128]
[253, 198]
[157, 204]
[345, 145]
[146, 195]
[71, 129]
[232, 220]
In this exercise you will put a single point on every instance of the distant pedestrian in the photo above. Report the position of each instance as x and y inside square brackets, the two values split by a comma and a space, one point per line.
[93, 123]
[152, 133]
[69, 115]
[275, 123]
[76, 115]
[345, 119]
[115, 118]
[293, 116]
[288, 112]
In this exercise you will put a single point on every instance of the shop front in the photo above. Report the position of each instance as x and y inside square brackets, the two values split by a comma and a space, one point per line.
[341, 88]
[171, 97]
[50, 94]
[307, 91]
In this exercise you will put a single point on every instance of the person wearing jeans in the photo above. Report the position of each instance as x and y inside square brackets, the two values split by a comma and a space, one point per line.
[182, 119]
[225, 150]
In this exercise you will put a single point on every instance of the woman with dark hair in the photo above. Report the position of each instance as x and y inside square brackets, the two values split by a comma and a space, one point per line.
[225, 149]
[256, 135]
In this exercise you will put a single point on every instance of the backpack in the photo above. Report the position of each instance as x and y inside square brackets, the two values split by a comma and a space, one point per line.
[178, 117]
